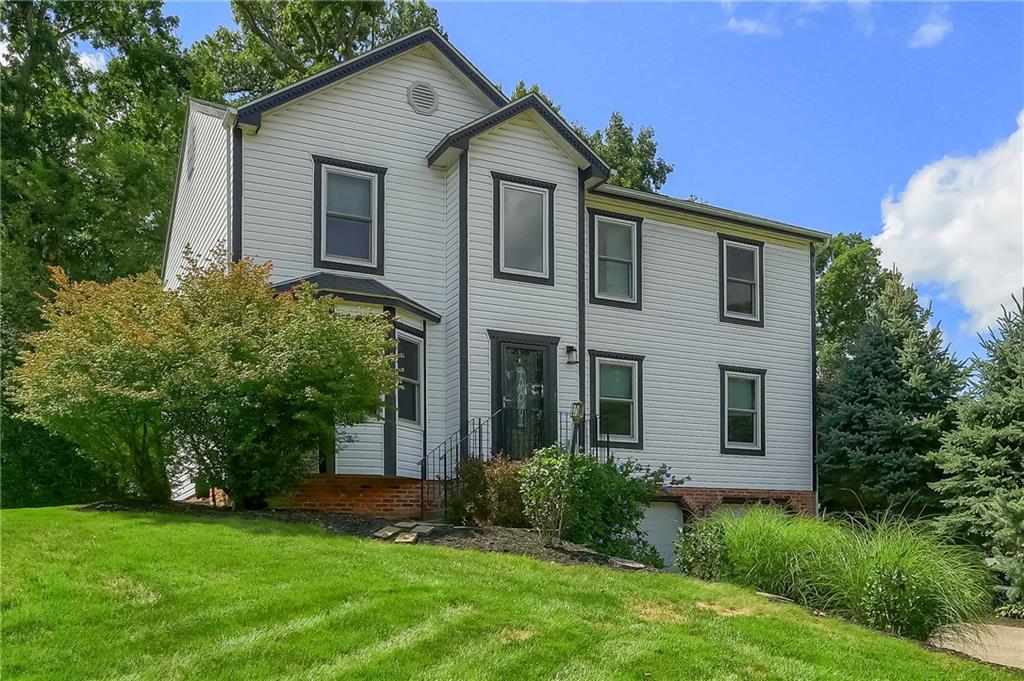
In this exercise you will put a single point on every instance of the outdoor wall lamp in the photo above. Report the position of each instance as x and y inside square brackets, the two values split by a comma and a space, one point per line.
[572, 356]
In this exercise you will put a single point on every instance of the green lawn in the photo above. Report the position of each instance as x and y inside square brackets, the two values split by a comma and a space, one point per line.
[151, 596]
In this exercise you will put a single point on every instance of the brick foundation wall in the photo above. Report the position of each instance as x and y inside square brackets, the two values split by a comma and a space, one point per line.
[369, 495]
[399, 498]
[702, 500]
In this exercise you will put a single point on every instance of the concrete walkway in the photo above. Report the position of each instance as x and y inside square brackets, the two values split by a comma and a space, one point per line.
[992, 642]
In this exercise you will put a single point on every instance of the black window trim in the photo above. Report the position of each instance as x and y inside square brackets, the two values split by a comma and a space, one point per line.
[318, 171]
[638, 260]
[723, 370]
[498, 178]
[723, 241]
[596, 355]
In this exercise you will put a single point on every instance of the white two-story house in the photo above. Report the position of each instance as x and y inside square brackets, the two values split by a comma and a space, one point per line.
[523, 285]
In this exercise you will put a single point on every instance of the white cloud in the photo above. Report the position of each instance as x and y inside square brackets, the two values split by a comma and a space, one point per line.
[932, 32]
[4, 52]
[959, 226]
[92, 61]
[863, 17]
[751, 27]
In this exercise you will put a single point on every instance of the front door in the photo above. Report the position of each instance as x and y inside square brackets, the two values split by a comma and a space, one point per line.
[525, 395]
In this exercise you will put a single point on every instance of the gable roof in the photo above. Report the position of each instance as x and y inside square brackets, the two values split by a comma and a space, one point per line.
[251, 113]
[458, 139]
[362, 290]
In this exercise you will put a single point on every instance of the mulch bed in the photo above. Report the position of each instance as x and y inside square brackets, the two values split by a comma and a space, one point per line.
[510, 540]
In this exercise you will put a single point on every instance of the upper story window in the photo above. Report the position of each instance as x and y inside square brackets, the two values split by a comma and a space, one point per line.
[523, 229]
[348, 216]
[742, 410]
[410, 387]
[616, 249]
[742, 280]
[617, 393]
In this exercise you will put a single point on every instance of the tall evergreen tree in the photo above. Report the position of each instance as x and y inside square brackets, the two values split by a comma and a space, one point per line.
[888, 410]
[983, 458]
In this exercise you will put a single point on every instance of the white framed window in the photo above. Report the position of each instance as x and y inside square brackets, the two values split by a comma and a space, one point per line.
[348, 216]
[615, 258]
[742, 410]
[409, 396]
[617, 388]
[741, 286]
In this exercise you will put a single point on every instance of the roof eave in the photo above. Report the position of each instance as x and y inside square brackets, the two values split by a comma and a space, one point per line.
[250, 115]
[714, 212]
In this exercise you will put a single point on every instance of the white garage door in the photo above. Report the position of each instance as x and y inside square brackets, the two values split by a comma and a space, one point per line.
[660, 523]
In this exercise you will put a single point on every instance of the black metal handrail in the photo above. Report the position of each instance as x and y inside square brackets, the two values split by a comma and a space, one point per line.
[512, 433]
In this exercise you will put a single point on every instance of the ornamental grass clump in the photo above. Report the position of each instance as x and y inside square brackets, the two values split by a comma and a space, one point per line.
[891, 574]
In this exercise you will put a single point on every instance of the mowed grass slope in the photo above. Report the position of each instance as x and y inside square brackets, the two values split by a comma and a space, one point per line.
[153, 596]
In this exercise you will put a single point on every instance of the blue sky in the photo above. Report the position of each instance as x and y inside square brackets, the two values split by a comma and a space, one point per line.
[811, 113]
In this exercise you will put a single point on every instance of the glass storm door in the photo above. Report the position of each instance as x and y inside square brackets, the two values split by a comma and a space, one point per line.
[522, 390]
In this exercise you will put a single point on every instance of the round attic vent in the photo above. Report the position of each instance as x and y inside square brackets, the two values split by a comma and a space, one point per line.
[422, 98]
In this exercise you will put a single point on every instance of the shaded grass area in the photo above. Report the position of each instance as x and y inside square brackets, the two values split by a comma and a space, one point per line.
[156, 596]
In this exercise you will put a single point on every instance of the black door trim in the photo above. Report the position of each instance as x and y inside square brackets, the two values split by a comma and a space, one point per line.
[550, 346]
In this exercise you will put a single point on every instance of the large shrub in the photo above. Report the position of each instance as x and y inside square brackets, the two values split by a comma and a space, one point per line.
[599, 505]
[223, 379]
[96, 375]
[607, 505]
[489, 494]
[267, 374]
[547, 491]
[890, 574]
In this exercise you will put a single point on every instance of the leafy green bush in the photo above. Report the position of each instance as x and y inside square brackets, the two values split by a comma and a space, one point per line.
[700, 550]
[546, 483]
[607, 506]
[598, 505]
[890, 574]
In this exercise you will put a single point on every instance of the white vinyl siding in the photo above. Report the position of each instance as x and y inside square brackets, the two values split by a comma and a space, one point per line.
[367, 119]
[519, 148]
[201, 210]
[683, 342]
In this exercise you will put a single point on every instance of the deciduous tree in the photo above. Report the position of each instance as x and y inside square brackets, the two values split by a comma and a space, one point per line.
[278, 43]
